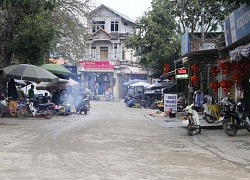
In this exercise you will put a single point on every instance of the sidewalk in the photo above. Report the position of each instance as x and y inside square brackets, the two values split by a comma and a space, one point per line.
[176, 122]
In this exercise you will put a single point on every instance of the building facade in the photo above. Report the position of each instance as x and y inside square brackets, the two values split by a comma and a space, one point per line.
[107, 63]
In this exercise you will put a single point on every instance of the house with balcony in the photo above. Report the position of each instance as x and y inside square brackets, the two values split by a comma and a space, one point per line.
[107, 63]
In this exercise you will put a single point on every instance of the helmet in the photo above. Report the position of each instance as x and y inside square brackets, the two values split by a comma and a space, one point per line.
[240, 107]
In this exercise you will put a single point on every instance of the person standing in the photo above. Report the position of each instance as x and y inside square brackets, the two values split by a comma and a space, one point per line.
[20, 93]
[31, 92]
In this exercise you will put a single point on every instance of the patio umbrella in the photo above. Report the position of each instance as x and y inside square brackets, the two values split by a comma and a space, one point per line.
[144, 84]
[28, 72]
[58, 70]
[133, 81]
[61, 84]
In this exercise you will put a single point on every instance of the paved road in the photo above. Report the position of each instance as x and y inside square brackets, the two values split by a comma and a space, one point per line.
[113, 142]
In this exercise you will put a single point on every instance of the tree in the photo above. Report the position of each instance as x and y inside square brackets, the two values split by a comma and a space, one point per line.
[160, 30]
[157, 39]
[235, 4]
[26, 29]
[70, 16]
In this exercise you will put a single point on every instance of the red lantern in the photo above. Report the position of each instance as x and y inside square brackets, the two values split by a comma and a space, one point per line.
[226, 68]
[195, 68]
[236, 77]
[225, 84]
[194, 79]
[214, 71]
[214, 85]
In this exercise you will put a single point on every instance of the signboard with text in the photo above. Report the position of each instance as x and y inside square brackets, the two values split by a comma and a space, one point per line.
[95, 66]
[181, 74]
[170, 101]
[237, 25]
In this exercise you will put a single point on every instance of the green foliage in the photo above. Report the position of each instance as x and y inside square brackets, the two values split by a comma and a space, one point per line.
[234, 4]
[30, 31]
[157, 40]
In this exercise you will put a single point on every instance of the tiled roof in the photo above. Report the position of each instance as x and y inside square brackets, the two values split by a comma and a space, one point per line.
[116, 12]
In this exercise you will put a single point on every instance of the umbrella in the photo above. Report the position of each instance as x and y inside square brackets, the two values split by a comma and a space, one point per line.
[36, 91]
[56, 69]
[61, 84]
[133, 81]
[161, 85]
[144, 84]
[20, 82]
[28, 72]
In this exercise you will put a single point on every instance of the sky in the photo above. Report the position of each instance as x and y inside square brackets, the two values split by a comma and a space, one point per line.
[130, 8]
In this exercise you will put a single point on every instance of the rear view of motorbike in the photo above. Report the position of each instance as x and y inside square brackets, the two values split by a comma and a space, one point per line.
[190, 120]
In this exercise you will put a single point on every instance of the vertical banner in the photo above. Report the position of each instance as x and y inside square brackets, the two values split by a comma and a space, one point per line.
[170, 101]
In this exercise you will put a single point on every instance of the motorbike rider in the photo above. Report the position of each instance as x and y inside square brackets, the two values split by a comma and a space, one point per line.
[80, 96]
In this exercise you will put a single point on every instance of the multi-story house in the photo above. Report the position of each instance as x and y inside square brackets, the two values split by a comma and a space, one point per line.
[107, 63]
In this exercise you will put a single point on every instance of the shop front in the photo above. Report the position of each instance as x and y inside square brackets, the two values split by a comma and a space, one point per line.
[96, 76]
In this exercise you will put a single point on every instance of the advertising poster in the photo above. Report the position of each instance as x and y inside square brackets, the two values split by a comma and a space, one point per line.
[170, 101]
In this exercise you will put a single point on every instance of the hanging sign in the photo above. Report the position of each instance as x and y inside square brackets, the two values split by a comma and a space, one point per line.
[181, 74]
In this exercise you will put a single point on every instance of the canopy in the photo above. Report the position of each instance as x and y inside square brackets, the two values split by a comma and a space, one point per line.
[56, 69]
[28, 72]
[61, 84]
[133, 81]
[144, 84]
[36, 91]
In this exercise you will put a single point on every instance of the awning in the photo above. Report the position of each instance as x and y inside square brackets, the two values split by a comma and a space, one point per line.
[132, 70]
[202, 55]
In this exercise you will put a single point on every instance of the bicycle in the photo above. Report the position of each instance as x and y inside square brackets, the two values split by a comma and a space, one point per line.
[10, 106]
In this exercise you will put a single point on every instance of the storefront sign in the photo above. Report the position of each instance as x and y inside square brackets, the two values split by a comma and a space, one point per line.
[185, 44]
[237, 25]
[181, 74]
[170, 101]
[95, 66]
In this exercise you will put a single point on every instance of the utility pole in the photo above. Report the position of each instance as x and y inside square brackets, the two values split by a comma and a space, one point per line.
[202, 27]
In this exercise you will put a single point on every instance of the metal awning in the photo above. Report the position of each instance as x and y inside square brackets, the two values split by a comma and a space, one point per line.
[202, 55]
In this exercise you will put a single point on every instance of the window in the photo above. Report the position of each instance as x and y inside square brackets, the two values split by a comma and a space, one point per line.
[114, 26]
[93, 53]
[97, 25]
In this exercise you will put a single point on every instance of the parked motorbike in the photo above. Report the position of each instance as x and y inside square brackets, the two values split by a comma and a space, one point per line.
[191, 120]
[213, 112]
[236, 120]
[109, 96]
[46, 110]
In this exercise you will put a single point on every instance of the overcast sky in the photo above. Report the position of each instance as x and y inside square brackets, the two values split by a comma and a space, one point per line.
[131, 8]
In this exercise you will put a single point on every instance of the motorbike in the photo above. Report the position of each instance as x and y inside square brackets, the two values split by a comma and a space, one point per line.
[213, 112]
[83, 106]
[191, 120]
[109, 96]
[233, 121]
[46, 110]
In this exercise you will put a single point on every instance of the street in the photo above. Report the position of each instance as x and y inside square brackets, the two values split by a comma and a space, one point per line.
[114, 142]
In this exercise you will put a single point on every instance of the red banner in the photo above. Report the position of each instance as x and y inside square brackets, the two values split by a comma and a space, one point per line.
[84, 65]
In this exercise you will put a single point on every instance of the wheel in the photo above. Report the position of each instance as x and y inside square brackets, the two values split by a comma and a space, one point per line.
[209, 118]
[190, 129]
[248, 129]
[1, 111]
[229, 127]
[23, 112]
[49, 114]
[85, 111]
[13, 113]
